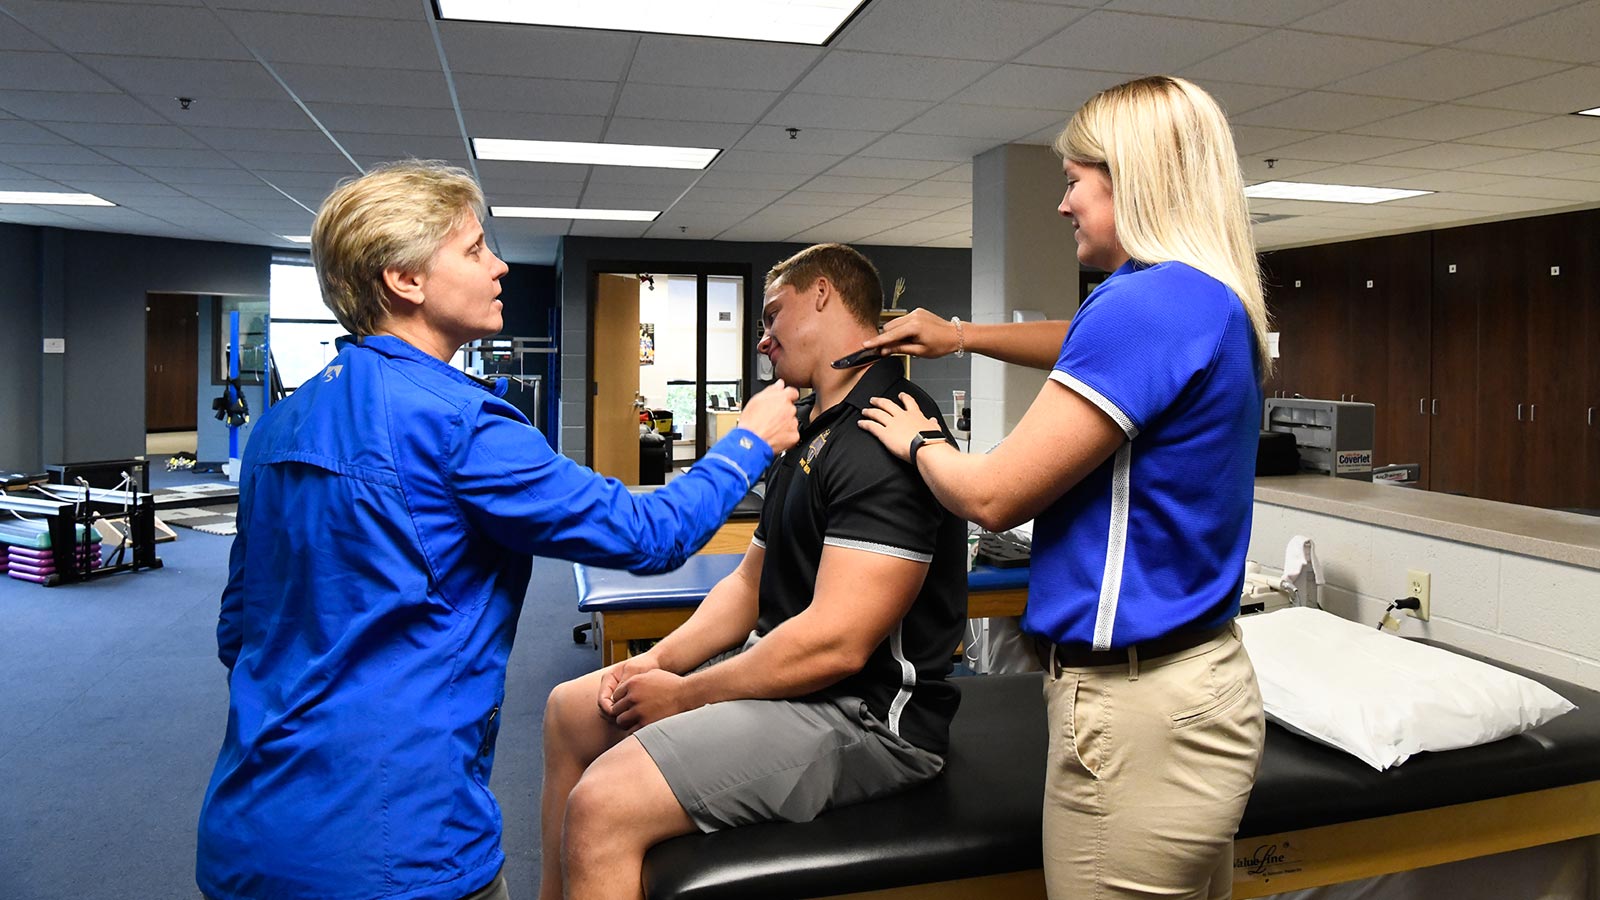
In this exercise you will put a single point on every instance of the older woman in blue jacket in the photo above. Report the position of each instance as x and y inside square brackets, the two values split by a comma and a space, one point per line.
[389, 512]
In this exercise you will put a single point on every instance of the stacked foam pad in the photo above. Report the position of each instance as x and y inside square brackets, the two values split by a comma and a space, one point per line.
[30, 564]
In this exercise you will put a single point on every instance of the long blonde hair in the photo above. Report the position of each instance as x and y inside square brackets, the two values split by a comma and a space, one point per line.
[1176, 189]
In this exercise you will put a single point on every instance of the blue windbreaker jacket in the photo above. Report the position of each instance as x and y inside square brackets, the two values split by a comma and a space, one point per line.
[388, 513]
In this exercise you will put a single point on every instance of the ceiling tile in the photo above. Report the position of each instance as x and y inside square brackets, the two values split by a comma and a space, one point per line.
[674, 132]
[1361, 174]
[57, 106]
[531, 52]
[1547, 134]
[336, 40]
[535, 95]
[126, 135]
[195, 176]
[871, 167]
[1445, 122]
[810, 140]
[731, 179]
[1323, 111]
[69, 173]
[16, 131]
[1251, 12]
[675, 180]
[377, 9]
[865, 113]
[400, 146]
[967, 120]
[533, 126]
[955, 29]
[1124, 42]
[645, 101]
[936, 188]
[141, 29]
[230, 112]
[914, 202]
[279, 161]
[1545, 163]
[1436, 22]
[1256, 169]
[1445, 74]
[346, 119]
[347, 84]
[290, 141]
[704, 62]
[1443, 156]
[160, 156]
[1297, 59]
[206, 80]
[67, 154]
[1563, 92]
[1567, 35]
[776, 163]
[891, 76]
[15, 37]
[1344, 148]
[21, 71]
[914, 233]
[961, 173]
[1474, 203]
[1564, 191]
[960, 215]
[1240, 98]
[1248, 139]
[1039, 87]
[861, 186]
[1444, 181]
[940, 148]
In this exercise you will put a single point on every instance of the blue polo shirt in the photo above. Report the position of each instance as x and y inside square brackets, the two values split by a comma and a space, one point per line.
[1153, 540]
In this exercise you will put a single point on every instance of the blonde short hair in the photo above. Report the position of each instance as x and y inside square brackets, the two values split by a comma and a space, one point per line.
[396, 216]
[1176, 189]
[852, 275]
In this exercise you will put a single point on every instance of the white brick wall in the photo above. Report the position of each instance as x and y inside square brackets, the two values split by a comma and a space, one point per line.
[1528, 612]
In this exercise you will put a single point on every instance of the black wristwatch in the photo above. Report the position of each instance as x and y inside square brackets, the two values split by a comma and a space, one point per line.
[924, 437]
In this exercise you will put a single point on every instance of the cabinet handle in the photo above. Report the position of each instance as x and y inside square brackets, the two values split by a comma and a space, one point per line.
[1436, 406]
[1519, 412]
[1591, 417]
[1422, 406]
[1352, 398]
[1533, 410]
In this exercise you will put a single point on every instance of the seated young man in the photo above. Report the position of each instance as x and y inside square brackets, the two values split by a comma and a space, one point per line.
[811, 677]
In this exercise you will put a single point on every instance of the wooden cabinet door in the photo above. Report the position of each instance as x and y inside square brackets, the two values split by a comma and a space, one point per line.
[1459, 266]
[1312, 320]
[1505, 262]
[614, 357]
[172, 362]
[1590, 477]
[1560, 277]
[1389, 344]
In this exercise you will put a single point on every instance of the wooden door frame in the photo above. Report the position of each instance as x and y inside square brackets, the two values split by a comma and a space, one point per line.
[701, 271]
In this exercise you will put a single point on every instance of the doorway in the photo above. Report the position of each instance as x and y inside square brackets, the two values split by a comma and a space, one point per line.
[668, 351]
[172, 373]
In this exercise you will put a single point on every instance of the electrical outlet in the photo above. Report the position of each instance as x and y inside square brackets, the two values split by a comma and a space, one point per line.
[1417, 583]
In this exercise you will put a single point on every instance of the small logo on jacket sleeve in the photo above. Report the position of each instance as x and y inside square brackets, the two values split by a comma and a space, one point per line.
[332, 372]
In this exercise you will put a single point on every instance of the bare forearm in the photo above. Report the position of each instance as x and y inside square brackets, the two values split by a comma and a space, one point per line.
[965, 484]
[1033, 344]
[792, 660]
[722, 621]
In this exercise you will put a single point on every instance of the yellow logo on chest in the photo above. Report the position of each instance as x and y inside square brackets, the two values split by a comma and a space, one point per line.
[813, 448]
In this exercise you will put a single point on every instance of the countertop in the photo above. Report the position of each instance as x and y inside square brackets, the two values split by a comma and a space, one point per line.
[1530, 531]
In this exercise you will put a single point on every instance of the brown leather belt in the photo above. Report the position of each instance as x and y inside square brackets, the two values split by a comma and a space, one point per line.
[1081, 656]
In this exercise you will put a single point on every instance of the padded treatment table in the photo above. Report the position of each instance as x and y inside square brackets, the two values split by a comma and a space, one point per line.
[1317, 816]
[627, 607]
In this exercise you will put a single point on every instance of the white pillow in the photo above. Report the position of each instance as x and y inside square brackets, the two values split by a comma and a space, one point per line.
[1380, 697]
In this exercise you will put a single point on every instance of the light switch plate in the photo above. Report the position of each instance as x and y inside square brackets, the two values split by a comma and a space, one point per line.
[55, 345]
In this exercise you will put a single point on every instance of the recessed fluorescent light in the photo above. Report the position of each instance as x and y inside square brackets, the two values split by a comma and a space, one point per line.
[1588, 112]
[297, 238]
[548, 212]
[584, 153]
[1326, 193]
[783, 21]
[52, 198]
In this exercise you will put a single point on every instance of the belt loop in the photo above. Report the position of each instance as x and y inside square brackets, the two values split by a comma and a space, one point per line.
[1133, 662]
[1054, 667]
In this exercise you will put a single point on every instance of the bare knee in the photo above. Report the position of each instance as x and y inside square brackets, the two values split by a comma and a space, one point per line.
[573, 724]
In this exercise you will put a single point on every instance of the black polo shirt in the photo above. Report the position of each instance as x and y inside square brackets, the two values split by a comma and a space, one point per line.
[840, 486]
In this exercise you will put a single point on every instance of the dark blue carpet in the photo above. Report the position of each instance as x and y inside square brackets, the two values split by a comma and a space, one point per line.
[113, 705]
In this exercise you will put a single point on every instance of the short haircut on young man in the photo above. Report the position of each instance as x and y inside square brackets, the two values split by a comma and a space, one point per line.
[851, 274]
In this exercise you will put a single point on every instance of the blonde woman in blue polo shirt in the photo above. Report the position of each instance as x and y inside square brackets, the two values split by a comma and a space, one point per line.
[1136, 462]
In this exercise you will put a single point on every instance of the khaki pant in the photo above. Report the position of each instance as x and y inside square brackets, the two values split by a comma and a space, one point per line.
[1150, 766]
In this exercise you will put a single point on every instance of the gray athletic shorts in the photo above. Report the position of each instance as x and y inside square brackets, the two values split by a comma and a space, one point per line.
[747, 761]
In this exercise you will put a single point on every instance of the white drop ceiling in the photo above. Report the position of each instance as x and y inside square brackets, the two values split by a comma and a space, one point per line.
[1467, 98]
